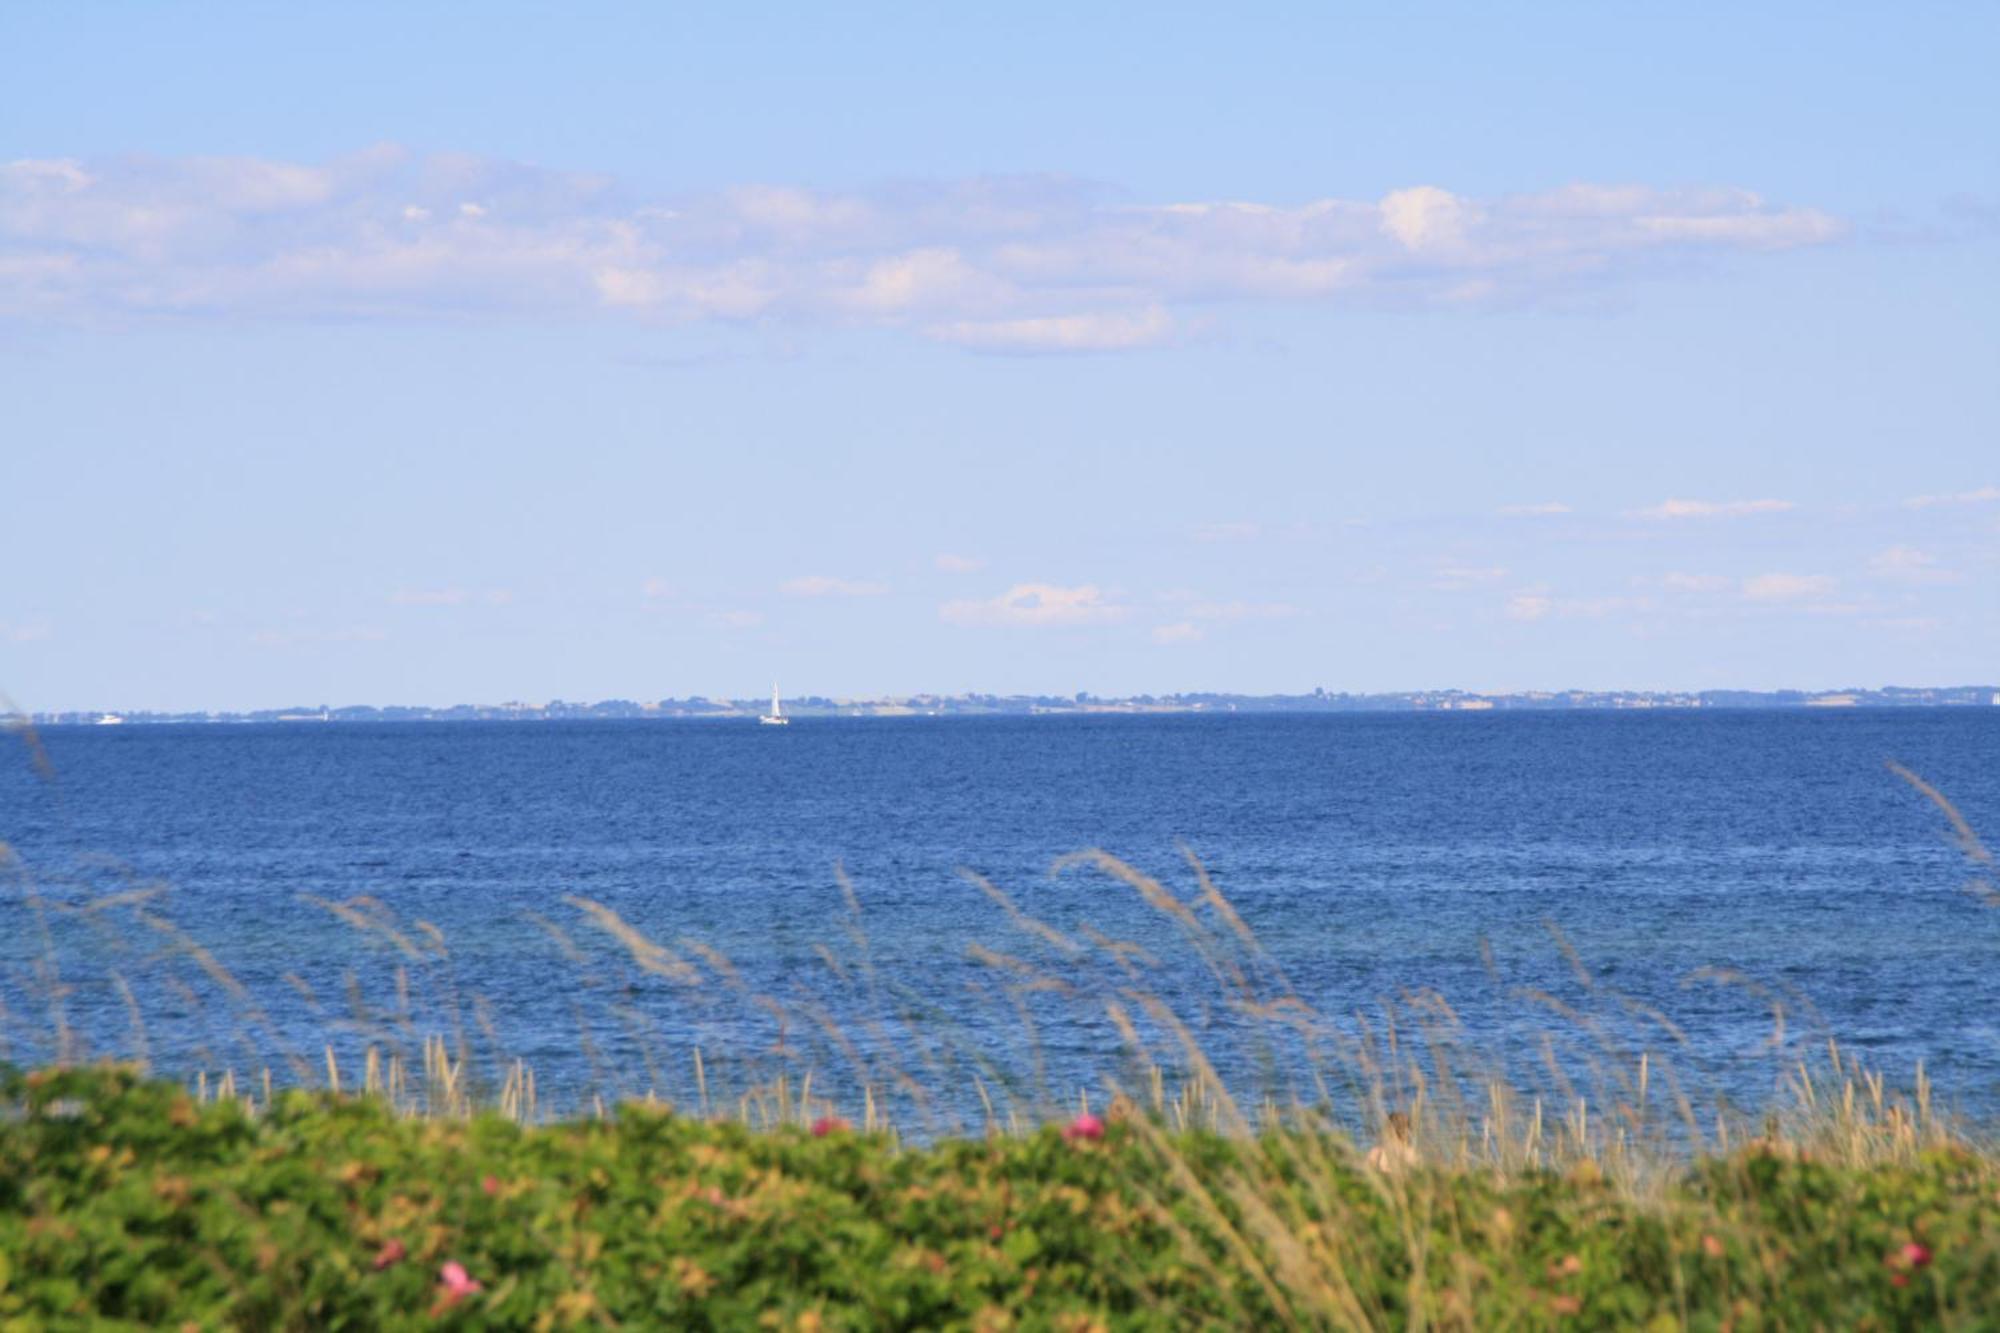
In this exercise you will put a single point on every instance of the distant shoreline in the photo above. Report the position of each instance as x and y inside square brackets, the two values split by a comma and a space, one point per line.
[699, 709]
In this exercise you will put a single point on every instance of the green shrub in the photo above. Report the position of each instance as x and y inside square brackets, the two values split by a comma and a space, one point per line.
[124, 1202]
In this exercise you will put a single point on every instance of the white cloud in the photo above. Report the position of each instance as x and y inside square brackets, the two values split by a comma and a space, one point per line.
[1679, 582]
[1786, 587]
[1204, 610]
[56, 176]
[1196, 610]
[1452, 578]
[1906, 564]
[1228, 532]
[295, 638]
[1984, 495]
[1095, 331]
[33, 631]
[959, 564]
[825, 585]
[656, 588]
[1537, 604]
[430, 597]
[1427, 218]
[1714, 508]
[739, 619]
[450, 597]
[937, 278]
[1037, 604]
[1005, 264]
[1547, 509]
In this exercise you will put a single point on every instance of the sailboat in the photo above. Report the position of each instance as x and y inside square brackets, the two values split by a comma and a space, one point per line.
[776, 717]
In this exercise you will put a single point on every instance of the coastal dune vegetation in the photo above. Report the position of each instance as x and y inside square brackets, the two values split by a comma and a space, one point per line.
[130, 1202]
[872, 1164]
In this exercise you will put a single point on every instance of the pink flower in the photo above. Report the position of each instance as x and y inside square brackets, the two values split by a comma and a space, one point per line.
[454, 1284]
[1915, 1255]
[491, 1184]
[1085, 1126]
[392, 1252]
[828, 1124]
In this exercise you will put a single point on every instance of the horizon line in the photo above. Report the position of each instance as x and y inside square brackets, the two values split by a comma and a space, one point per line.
[696, 706]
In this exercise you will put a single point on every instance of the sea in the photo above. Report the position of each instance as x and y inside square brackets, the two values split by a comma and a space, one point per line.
[963, 913]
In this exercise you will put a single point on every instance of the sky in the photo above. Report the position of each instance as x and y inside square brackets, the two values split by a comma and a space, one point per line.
[413, 353]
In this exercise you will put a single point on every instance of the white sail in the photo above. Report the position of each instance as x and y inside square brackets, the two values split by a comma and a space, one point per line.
[776, 717]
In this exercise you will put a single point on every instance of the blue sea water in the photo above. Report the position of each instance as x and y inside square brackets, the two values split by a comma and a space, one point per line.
[1705, 865]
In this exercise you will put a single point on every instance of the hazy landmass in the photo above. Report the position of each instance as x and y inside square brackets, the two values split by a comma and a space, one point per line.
[698, 707]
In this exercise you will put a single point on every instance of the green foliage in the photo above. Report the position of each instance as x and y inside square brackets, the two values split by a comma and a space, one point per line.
[125, 1203]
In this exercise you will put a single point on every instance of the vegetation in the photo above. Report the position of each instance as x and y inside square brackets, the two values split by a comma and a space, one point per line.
[127, 1201]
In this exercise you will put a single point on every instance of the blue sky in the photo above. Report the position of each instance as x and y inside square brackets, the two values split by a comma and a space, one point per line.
[375, 354]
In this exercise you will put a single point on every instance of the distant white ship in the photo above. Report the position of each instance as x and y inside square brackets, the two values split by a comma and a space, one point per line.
[776, 717]
[110, 720]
